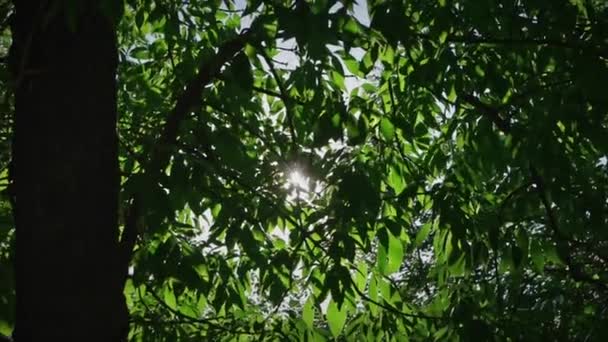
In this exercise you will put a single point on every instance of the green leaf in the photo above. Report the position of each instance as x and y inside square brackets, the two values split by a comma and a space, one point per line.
[308, 312]
[338, 79]
[395, 254]
[169, 297]
[373, 293]
[387, 129]
[381, 259]
[336, 318]
[388, 55]
[385, 290]
[361, 276]
[395, 180]
[5, 328]
[351, 26]
[352, 66]
[423, 233]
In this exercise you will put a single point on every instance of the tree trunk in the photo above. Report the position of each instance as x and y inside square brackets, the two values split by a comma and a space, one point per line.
[69, 279]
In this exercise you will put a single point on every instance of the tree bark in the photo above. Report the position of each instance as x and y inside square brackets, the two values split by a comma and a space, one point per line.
[69, 277]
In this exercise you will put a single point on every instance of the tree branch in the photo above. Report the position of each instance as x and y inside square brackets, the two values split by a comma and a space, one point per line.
[277, 95]
[190, 98]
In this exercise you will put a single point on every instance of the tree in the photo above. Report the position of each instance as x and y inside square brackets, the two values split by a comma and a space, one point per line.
[307, 170]
[65, 174]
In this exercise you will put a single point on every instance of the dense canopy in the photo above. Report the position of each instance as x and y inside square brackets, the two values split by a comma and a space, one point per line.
[355, 170]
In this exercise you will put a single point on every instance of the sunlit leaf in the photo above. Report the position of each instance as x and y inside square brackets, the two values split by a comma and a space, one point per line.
[335, 318]
[387, 128]
[308, 313]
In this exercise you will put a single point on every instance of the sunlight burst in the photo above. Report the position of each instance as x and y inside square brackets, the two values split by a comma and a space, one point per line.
[298, 180]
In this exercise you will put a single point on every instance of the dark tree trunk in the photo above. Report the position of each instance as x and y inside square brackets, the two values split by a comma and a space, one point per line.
[69, 279]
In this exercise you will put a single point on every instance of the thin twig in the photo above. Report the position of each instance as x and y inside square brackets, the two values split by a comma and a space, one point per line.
[193, 320]
[390, 307]
[284, 97]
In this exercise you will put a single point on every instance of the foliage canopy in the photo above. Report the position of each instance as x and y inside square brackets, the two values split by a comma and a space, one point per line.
[387, 170]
